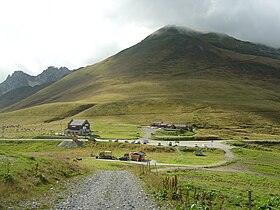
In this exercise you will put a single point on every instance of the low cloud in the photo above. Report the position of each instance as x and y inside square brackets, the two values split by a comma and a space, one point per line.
[37, 34]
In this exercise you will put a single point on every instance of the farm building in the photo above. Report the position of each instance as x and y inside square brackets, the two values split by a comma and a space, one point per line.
[158, 125]
[166, 126]
[137, 156]
[77, 127]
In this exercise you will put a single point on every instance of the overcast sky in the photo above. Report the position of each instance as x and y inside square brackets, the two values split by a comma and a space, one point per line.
[35, 34]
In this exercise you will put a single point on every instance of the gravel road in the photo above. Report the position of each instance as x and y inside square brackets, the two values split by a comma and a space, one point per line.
[108, 190]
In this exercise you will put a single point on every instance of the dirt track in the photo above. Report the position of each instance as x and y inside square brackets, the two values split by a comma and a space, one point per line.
[108, 190]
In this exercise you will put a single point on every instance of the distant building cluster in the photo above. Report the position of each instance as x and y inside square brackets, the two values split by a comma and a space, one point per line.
[167, 126]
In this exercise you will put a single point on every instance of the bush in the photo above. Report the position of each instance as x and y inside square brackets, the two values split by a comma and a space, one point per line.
[270, 204]
[8, 177]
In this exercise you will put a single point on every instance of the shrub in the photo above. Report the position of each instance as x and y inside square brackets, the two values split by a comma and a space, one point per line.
[270, 204]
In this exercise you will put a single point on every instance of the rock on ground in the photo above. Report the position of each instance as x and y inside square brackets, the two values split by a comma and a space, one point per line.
[108, 190]
[70, 144]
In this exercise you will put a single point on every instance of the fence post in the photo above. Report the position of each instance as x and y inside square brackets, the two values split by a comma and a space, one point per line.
[156, 167]
[250, 199]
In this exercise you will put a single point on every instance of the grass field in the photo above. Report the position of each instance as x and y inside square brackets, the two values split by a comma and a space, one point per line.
[255, 168]
[30, 122]
[29, 168]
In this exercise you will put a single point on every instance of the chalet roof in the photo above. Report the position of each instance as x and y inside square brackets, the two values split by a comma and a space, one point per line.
[78, 122]
[138, 153]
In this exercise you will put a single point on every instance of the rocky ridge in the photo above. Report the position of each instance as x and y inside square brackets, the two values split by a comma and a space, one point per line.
[20, 79]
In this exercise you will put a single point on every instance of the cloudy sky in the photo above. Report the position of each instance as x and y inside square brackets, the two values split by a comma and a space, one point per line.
[35, 34]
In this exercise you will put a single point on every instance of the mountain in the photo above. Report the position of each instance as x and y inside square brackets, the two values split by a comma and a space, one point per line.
[18, 94]
[176, 75]
[20, 79]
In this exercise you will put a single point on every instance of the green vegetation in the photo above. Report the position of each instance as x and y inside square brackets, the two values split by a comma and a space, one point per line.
[173, 133]
[116, 131]
[232, 187]
[28, 169]
[186, 156]
[24, 176]
[253, 169]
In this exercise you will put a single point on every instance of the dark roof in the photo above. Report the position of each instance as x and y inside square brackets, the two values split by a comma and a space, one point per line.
[138, 153]
[78, 122]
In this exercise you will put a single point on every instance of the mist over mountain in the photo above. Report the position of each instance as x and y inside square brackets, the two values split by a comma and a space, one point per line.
[20, 79]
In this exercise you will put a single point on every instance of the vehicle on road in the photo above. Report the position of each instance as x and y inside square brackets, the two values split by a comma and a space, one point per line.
[169, 143]
[145, 141]
[106, 155]
[159, 144]
[133, 142]
[138, 142]
[126, 141]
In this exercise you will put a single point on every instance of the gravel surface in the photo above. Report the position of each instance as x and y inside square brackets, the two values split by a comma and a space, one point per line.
[108, 190]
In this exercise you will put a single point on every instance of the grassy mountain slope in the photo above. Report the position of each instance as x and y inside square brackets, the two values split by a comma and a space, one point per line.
[19, 94]
[175, 76]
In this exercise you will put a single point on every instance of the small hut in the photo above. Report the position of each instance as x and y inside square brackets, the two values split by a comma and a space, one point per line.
[137, 156]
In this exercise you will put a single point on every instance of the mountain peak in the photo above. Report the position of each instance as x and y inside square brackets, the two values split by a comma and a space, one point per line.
[21, 79]
[173, 30]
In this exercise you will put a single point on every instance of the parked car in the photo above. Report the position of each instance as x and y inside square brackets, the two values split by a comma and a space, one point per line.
[159, 144]
[125, 141]
[138, 142]
[133, 142]
[169, 143]
[116, 140]
[145, 141]
[195, 145]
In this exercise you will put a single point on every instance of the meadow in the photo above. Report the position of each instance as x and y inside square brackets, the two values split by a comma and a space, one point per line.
[30, 168]
[255, 168]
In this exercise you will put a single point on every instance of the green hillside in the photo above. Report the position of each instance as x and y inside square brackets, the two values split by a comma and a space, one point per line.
[224, 88]
[18, 94]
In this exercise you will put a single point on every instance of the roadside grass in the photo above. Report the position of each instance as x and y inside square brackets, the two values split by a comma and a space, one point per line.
[263, 162]
[232, 186]
[173, 133]
[272, 146]
[30, 168]
[259, 172]
[24, 177]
